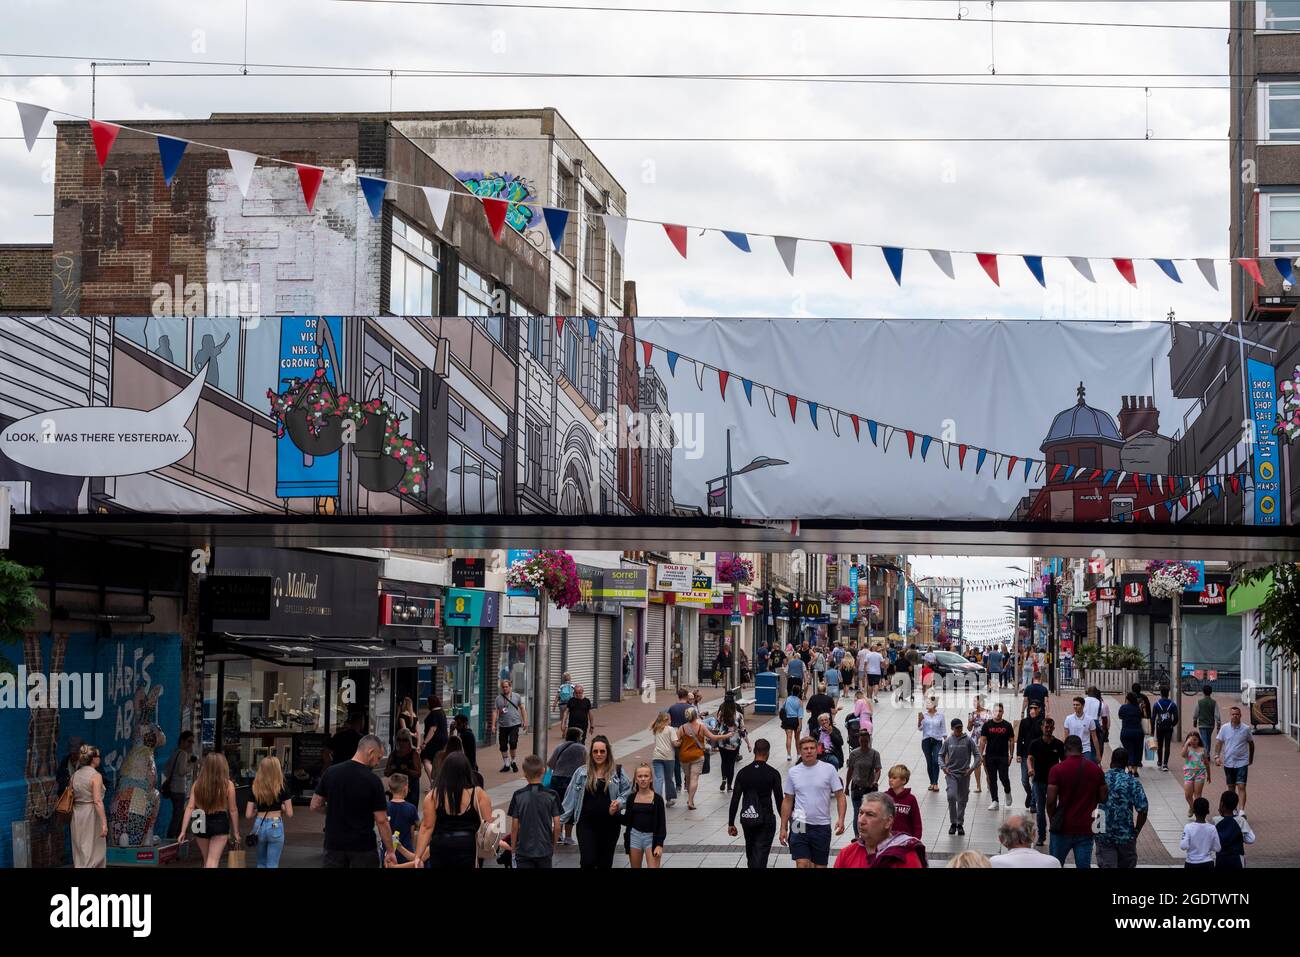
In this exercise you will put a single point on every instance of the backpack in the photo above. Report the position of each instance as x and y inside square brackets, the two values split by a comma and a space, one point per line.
[690, 749]
[1164, 716]
[566, 692]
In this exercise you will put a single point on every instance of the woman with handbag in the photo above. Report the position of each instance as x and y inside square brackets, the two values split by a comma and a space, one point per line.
[270, 804]
[455, 810]
[692, 750]
[210, 813]
[594, 804]
[731, 727]
[89, 820]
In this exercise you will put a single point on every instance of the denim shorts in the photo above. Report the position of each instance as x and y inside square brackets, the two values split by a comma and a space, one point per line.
[640, 840]
[811, 842]
[1235, 775]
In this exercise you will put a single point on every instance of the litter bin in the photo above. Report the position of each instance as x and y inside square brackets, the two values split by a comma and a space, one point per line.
[765, 692]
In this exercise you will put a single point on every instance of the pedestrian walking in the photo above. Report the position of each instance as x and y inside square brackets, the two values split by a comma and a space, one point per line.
[758, 796]
[692, 749]
[1207, 717]
[993, 665]
[569, 755]
[211, 815]
[534, 819]
[594, 803]
[876, 844]
[1043, 755]
[405, 760]
[580, 713]
[1235, 753]
[1132, 737]
[1164, 721]
[848, 674]
[1084, 728]
[862, 773]
[175, 779]
[1234, 834]
[1098, 711]
[974, 722]
[1074, 789]
[509, 720]
[646, 822]
[995, 739]
[904, 685]
[907, 812]
[791, 720]
[677, 718]
[1196, 769]
[1123, 814]
[352, 799]
[1200, 838]
[875, 670]
[731, 732]
[271, 803]
[89, 819]
[564, 693]
[665, 751]
[407, 719]
[833, 679]
[806, 808]
[863, 713]
[958, 755]
[931, 724]
[796, 671]
[1028, 730]
[454, 810]
[468, 744]
[403, 818]
[1016, 835]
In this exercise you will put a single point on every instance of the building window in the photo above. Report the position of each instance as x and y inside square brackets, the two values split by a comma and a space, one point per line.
[603, 400]
[537, 338]
[566, 197]
[473, 487]
[412, 272]
[455, 411]
[1281, 223]
[475, 299]
[1281, 113]
[493, 442]
[533, 435]
[593, 255]
[563, 303]
[219, 345]
[615, 275]
[1278, 15]
[573, 354]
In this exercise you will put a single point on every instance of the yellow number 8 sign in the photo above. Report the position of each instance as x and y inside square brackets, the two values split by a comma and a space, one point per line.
[460, 603]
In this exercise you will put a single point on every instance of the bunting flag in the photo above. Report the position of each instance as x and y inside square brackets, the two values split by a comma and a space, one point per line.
[1069, 472]
[1119, 482]
[997, 463]
[1028, 465]
[1252, 267]
[1206, 266]
[786, 246]
[1083, 267]
[309, 177]
[739, 240]
[1011, 463]
[556, 221]
[373, 190]
[677, 236]
[749, 390]
[961, 457]
[672, 363]
[889, 434]
[1125, 267]
[835, 422]
[1039, 468]
[495, 210]
[1160, 483]
[856, 433]
[723, 375]
[170, 151]
[1055, 469]
[647, 348]
[771, 400]
[990, 263]
[438, 201]
[1105, 479]
[242, 163]
[592, 326]
[1167, 267]
[1285, 271]
[794, 405]
[104, 136]
[812, 414]
[1035, 264]
[32, 118]
[979, 460]
[1236, 485]
[911, 442]
[925, 446]
[559, 334]
[894, 259]
[699, 374]
[945, 449]
[844, 253]
[616, 226]
[942, 258]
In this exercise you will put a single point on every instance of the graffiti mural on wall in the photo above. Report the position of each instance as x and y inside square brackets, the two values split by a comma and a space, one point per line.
[507, 186]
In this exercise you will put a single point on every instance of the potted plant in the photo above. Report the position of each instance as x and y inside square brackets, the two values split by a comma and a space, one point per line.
[311, 412]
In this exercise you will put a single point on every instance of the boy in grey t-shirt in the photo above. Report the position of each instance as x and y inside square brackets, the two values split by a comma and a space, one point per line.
[534, 819]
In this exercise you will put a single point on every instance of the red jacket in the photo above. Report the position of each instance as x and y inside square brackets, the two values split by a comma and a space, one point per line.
[897, 851]
[907, 813]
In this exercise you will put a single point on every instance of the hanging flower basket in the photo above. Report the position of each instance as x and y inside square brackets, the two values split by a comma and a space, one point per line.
[842, 595]
[310, 412]
[1288, 420]
[1171, 579]
[387, 459]
[735, 571]
[551, 571]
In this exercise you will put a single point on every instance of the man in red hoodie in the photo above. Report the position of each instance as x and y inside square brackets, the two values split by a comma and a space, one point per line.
[877, 845]
[907, 813]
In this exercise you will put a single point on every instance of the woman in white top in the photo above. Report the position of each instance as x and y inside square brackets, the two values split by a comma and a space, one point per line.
[974, 721]
[933, 727]
[666, 739]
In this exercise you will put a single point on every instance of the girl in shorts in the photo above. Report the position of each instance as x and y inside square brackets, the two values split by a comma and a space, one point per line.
[1196, 769]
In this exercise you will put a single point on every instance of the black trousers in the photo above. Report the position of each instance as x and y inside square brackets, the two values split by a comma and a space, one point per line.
[178, 811]
[758, 843]
[1164, 737]
[597, 840]
[998, 768]
[729, 758]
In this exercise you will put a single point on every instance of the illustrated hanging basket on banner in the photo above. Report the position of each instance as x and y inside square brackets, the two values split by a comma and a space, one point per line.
[310, 413]
[551, 571]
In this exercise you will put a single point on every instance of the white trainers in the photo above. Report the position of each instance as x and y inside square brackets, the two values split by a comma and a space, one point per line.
[993, 806]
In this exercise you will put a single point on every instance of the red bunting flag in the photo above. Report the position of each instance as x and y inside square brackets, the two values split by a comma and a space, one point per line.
[911, 441]
[1137, 485]
[559, 328]
[990, 263]
[1125, 267]
[794, 404]
[1183, 501]
[1011, 463]
[310, 179]
[648, 348]
[854, 419]
[1252, 267]
[723, 376]
[1055, 468]
[844, 253]
[1233, 480]
[961, 457]
[104, 135]
[677, 234]
[495, 210]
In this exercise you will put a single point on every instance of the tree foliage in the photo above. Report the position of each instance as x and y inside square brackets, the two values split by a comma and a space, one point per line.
[1277, 627]
[18, 600]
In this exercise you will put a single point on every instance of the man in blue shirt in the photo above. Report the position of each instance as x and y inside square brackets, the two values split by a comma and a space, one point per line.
[1117, 839]
[796, 670]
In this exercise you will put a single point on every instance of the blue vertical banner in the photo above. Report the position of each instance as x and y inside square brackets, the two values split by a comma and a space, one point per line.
[1200, 576]
[1262, 387]
[298, 474]
[520, 555]
[853, 587]
[911, 608]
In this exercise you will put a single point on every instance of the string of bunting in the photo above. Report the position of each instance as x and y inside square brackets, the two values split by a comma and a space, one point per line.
[171, 151]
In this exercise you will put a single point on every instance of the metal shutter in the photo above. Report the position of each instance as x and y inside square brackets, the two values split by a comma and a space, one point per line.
[581, 660]
[609, 640]
[555, 668]
[655, 658]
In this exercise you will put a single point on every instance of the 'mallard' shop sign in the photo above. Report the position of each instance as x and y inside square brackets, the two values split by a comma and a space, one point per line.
[311, 593]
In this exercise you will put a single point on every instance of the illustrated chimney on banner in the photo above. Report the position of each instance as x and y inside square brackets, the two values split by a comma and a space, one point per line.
[1138, 414]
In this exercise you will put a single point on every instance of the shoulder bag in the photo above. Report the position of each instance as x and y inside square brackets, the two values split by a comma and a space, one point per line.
[485, 839]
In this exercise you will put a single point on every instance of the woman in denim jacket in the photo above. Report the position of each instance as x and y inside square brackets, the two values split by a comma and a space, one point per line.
[594, 802]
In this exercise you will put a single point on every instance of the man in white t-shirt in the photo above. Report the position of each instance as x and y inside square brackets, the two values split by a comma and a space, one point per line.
[863, 652]
[1097, 711]
[1236, 753]
[1085, 728]
[809, 787]
[875, 668]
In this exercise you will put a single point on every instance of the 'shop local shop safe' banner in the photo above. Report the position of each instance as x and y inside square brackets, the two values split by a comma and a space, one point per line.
[741, 418]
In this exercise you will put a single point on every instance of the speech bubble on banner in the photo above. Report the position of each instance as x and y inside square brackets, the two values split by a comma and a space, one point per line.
[103, 441]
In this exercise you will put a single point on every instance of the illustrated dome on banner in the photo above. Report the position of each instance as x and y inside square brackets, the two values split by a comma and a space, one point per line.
[1082, 423]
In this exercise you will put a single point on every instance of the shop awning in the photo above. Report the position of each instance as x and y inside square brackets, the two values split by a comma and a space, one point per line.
[335, 654]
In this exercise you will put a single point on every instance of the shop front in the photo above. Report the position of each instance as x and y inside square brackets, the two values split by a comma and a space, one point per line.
[604, 648]
[1211, 640]
[1272, 678]
[479, 656]
[725, 623]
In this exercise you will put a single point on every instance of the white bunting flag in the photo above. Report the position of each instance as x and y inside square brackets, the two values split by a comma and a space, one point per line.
[618, 341]
[1120, 481]
[835, 422]
[699, 375]
[33, 117]
[1206, 266]
[1038, 471]
[616, 226]
[241, 164]
[997, 463]
[438, 200]
[947, 449]
[889, 434]
[1160, 481]
[943, 259]
[1151, 510]
[771, 399]
[1083, 266]
[786, 245]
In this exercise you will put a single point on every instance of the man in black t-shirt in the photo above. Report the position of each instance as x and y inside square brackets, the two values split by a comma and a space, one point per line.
[351, 797]
[1028, 730]
[1044, 754]
[1036, 691]
[819, 704]
[343, 745]
[995, 747]
[578, 711]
